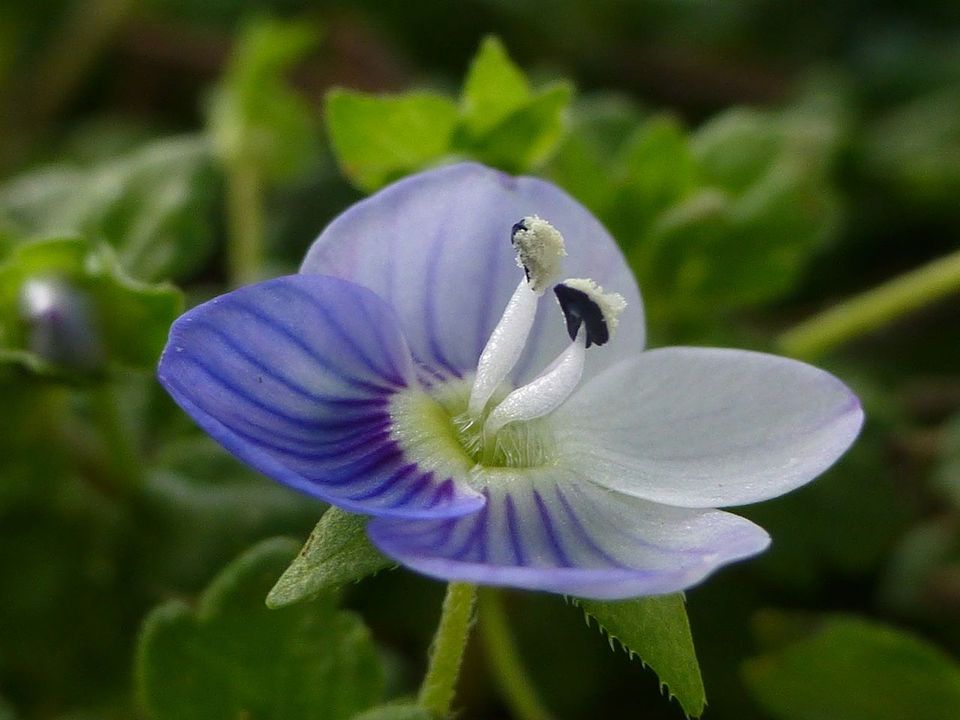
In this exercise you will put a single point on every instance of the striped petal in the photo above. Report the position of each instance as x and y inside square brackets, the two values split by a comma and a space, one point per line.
[294, 376]
[705, 427]
[555, 530]
[436, 247]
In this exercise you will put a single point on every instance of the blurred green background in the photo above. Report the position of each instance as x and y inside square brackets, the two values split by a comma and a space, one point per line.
[760, 162]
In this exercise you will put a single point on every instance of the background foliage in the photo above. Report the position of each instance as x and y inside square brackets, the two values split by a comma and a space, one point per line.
[758, 161]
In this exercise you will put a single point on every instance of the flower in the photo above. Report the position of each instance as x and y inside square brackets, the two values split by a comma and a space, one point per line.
[411, 372]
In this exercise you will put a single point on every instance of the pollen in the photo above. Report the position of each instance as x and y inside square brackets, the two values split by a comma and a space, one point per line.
[540, 249]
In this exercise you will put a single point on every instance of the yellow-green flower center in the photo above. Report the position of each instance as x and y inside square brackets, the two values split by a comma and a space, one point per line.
[437, 432]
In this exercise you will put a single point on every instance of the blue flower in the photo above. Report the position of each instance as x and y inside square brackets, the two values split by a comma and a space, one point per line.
[412, 372]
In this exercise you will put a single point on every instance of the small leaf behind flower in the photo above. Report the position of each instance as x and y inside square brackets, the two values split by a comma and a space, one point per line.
[397, 711]
[336, 553]
[128, 318]
[657, 631]
[233, 658]
[854, 669]
[380, 138]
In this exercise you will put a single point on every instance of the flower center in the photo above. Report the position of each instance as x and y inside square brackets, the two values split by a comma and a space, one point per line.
[465, 426]
[437, 432]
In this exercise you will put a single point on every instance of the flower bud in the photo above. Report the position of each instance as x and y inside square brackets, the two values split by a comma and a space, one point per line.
[60, 324]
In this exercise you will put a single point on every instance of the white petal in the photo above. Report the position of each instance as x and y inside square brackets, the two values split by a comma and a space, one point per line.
[704, 427]
[436, 246]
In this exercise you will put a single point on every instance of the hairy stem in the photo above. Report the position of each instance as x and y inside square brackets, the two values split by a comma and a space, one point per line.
[504, 660]
[873, 309]
[446, 652]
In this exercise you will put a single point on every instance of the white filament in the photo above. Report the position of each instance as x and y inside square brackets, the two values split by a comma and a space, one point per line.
[544, 394]
[504, 347]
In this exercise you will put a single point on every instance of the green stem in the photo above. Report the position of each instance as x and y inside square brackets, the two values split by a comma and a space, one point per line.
[504, 660]
[446, 653]
[123, 463]
[245, 221]
[873, 308]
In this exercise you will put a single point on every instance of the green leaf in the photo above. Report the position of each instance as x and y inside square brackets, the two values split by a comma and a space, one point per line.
[256, 118]
[736, 147]
[108, 313]
[400, 711]
[234, 658]
[586, 162]
[7, 713]
[153, 205]
[378, 139]
[499, 121]
[656, 630]
[493, 89]
[526, 137]
[855, 669]
[336, 553]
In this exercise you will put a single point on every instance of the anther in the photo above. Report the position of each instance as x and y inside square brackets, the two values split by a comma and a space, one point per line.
[584, 303]
[540, 249]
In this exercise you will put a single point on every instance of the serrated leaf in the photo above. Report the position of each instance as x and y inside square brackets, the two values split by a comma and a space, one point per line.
[404, 711]
[256, 117]
[493, 88]
[656, 630]
[101, 309]
[336, 553]
[378, 139]
[151, 204]
[856, 669]
[232, 657]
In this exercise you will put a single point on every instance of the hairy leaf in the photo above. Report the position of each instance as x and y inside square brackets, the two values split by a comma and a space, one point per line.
[336, 553]
[657, 631]
[232, 657]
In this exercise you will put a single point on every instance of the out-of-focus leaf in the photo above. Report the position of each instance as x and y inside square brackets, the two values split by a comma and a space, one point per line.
[381, 138]
[256, 118]
[336, 553]
[7, 713]
[855, 669]
[400, 711]
[923, 570]
[947, 473]
[232, 657]
[587, 162]
[499, 121]
[205, 505]
[129, 318]
[527, 136]
[153, 205]
[917, 147]
[493, 88]
[655, 171]
[736, 148]
[657, 631]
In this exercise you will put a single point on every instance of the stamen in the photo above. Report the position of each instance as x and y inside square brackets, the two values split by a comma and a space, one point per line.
[540, 248]
[544, 394]
[504, 347]
[584, 302]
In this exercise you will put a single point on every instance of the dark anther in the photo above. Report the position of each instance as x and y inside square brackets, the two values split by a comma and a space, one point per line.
[579, 309]
[518, 227]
